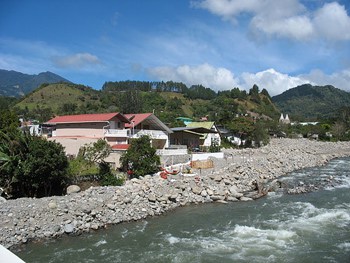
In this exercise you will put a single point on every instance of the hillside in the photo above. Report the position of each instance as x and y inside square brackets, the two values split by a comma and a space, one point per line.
[16, 84]
[307, 102]
[60, 99]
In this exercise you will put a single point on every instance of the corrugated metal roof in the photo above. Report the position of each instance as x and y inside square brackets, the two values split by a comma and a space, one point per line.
[205, 124]
[99, 117]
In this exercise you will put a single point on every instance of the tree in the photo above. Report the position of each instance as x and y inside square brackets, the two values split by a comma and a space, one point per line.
[95, 152]
[31, 166]
[141, 158]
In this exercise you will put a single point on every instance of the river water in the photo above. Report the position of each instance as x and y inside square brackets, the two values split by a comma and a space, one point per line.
[313, 227]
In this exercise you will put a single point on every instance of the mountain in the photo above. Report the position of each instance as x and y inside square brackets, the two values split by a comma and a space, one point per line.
[13, 83]
[307, 102]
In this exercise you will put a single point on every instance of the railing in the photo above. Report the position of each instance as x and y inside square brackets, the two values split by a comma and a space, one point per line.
[153, 134]
[116, 133]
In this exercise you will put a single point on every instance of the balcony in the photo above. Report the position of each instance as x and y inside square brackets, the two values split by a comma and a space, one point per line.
[153, 134]
[116, 133]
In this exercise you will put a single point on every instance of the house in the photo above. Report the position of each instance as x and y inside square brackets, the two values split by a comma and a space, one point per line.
[207, 139]
[185, 120]
[189, 136]
[73, 131]
[148, 124]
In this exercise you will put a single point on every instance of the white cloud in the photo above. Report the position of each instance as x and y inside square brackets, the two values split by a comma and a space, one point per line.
[79, 60]
[340, 80]
[287, 18]
[205, 74]
[332, 22]
[223, 79]
[271, 80]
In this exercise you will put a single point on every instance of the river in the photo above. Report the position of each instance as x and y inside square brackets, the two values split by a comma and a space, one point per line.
[313, 227]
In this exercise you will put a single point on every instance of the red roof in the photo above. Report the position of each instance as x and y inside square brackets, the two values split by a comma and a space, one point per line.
[100, 117]
[136, 119]
[120, 146]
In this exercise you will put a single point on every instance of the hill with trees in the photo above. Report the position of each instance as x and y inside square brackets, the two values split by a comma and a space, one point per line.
[307, 102]
[16, 84]
[168, 100]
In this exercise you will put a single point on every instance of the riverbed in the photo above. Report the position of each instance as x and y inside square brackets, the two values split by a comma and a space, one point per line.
[311, 227]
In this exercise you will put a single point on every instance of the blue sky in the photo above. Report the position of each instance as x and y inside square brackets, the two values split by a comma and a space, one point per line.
[220, 44]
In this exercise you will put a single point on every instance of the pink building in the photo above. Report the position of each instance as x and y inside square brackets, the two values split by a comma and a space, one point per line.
[73, 131]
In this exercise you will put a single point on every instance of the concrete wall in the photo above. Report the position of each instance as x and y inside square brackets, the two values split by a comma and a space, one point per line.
[205, 156]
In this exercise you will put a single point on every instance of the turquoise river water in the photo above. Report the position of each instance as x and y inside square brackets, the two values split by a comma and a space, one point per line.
[313, 227]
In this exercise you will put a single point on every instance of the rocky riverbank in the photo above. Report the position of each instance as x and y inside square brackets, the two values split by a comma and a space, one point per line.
[241, 176]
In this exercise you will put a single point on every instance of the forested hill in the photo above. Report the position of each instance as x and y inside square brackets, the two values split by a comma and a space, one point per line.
[168, 100]
[307, 102]
[16, 84]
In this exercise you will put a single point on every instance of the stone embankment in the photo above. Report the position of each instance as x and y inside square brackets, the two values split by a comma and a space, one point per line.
[242, 176]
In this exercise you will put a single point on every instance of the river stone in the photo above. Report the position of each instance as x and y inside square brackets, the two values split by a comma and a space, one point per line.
[73, 189]
[68, 228]
[2, 200]
[52, 205]
[152, 198]
[196, 190]
[243, 198]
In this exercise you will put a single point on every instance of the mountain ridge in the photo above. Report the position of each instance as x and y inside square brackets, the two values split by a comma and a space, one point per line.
[17, 84]
[309, 102]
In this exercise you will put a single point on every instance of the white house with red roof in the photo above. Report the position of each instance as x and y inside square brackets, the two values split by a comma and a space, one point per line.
[148, 124]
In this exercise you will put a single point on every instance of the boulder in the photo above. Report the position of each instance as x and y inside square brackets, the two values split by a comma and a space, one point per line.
[52, 205]
[68, 228]
[73, 189]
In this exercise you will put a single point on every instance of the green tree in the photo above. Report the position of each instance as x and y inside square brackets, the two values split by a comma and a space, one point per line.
[31, 166]
[140, 158]
[95, 152]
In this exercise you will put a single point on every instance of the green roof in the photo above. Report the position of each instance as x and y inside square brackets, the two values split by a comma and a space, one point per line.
[204, 124]
[184, 119]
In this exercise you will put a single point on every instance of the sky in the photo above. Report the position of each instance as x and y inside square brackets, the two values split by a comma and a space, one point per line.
[220, 44]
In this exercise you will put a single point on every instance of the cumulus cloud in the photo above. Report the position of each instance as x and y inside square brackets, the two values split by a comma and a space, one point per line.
[288, 18]
[271, 80]
[276, 83]
[79, 60]
[205, 74]
[339, 80]
[332, 22]
[223, 79]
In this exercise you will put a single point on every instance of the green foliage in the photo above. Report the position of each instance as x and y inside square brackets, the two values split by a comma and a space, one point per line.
[244, 126]
[140, 158]
[80, 167]
[200, 92]
[8, 121]
[214, 146]
[312, 103]
[31, 166]
[107, 177]
[260, 134]
[95, 152]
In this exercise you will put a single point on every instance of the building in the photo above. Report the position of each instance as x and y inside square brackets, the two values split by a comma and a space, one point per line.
[73, 131]
[148, 124]
[284, 120]
[207, 139]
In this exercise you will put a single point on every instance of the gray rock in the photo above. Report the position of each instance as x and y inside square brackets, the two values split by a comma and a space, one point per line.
[68, 228]
[152, 198]
[52, 205]
[73, 189]
[196, 190]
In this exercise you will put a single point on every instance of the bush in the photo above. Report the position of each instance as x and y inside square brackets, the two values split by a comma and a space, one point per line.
[141, 158]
